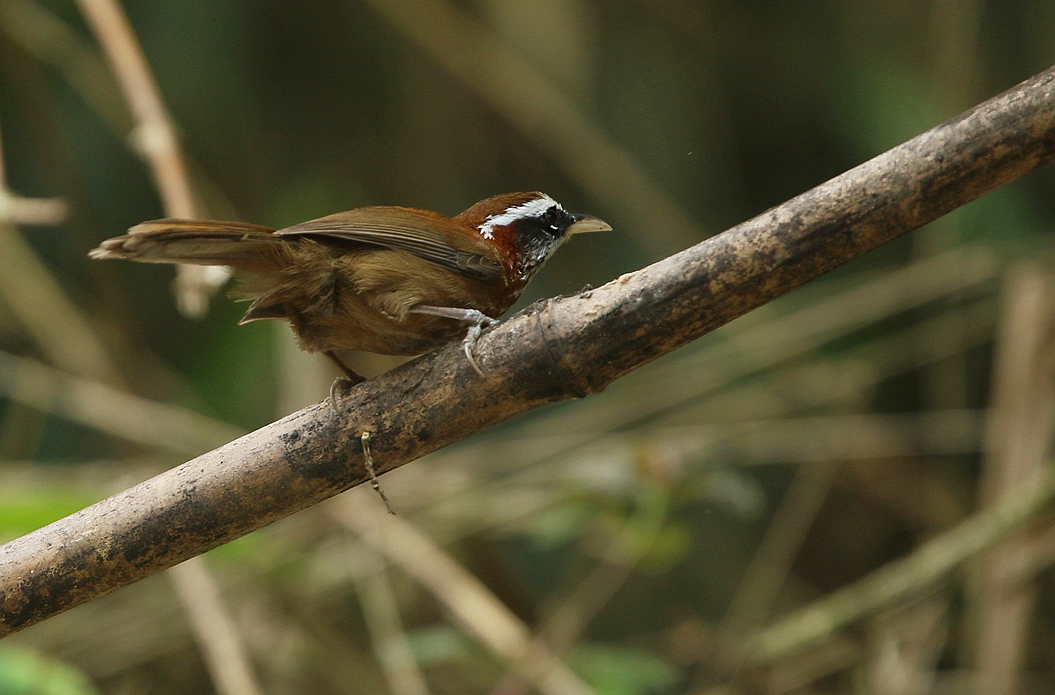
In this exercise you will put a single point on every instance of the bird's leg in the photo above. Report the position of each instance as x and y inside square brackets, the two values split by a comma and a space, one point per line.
[477, 321]
[349, 379]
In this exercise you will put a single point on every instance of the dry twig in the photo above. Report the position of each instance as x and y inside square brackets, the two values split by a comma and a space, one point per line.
[1022, 419]
[154, 132]
[155, 137]
[381, 613]
[213, 628]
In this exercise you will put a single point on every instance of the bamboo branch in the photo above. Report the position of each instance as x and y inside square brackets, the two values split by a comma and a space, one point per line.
[554, 350]
[749, 349]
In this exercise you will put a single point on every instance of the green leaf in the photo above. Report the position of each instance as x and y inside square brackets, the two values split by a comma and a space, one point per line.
[31, 510]
[26, 672]
[622, 671]
[437, 644]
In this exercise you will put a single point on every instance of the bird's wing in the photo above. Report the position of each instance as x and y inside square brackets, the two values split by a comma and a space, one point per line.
[427, 235]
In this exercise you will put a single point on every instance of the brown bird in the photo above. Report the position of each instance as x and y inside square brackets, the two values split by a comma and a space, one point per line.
[388, 280]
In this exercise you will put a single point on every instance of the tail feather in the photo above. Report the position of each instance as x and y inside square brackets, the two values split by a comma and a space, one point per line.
[200, 242]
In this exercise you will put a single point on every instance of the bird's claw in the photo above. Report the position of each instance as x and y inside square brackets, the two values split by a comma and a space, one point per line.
[476, 329]
[345, 383]
[476, 320]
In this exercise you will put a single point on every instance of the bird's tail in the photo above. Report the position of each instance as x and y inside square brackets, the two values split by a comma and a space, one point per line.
[200, 242]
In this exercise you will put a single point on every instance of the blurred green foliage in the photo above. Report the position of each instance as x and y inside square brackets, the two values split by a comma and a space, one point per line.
[21, 513]
[292, 110]
[24, 672]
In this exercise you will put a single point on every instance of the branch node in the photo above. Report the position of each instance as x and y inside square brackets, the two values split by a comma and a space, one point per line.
[575, 383]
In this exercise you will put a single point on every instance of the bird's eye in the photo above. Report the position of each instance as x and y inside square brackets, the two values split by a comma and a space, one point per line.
[552, 216]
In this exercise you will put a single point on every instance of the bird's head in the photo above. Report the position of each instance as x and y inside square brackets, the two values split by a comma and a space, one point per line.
[527, 227]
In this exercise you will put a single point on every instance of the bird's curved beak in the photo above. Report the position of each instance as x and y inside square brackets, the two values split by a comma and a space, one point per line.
[587, 223]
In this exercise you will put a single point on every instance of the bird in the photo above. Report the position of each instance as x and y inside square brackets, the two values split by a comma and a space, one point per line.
[383, 279]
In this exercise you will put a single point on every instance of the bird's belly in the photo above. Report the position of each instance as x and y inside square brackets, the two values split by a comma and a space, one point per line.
[363, 301]
[357, 326]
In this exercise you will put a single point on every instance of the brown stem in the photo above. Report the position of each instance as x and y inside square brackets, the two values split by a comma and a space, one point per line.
[155, 138]
[1021, 424]
[154, 132]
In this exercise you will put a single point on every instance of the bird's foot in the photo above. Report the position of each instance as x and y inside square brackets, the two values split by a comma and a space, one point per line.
[476, 329]
[347, 381]
[477, 321]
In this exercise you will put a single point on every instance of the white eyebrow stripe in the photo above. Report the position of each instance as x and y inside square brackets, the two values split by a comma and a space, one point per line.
[531, 208]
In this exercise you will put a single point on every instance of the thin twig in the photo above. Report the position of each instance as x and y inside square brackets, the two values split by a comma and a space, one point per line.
[368, 463]
[154, 132]
[1022, 420]
[381, 613]
[32, 211]
[155, 137]
[110, 410]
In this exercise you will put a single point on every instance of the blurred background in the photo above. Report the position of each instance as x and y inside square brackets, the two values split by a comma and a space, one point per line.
[649, 537]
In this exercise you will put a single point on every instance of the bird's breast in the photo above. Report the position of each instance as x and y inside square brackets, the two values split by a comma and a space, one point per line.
[361, 300]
